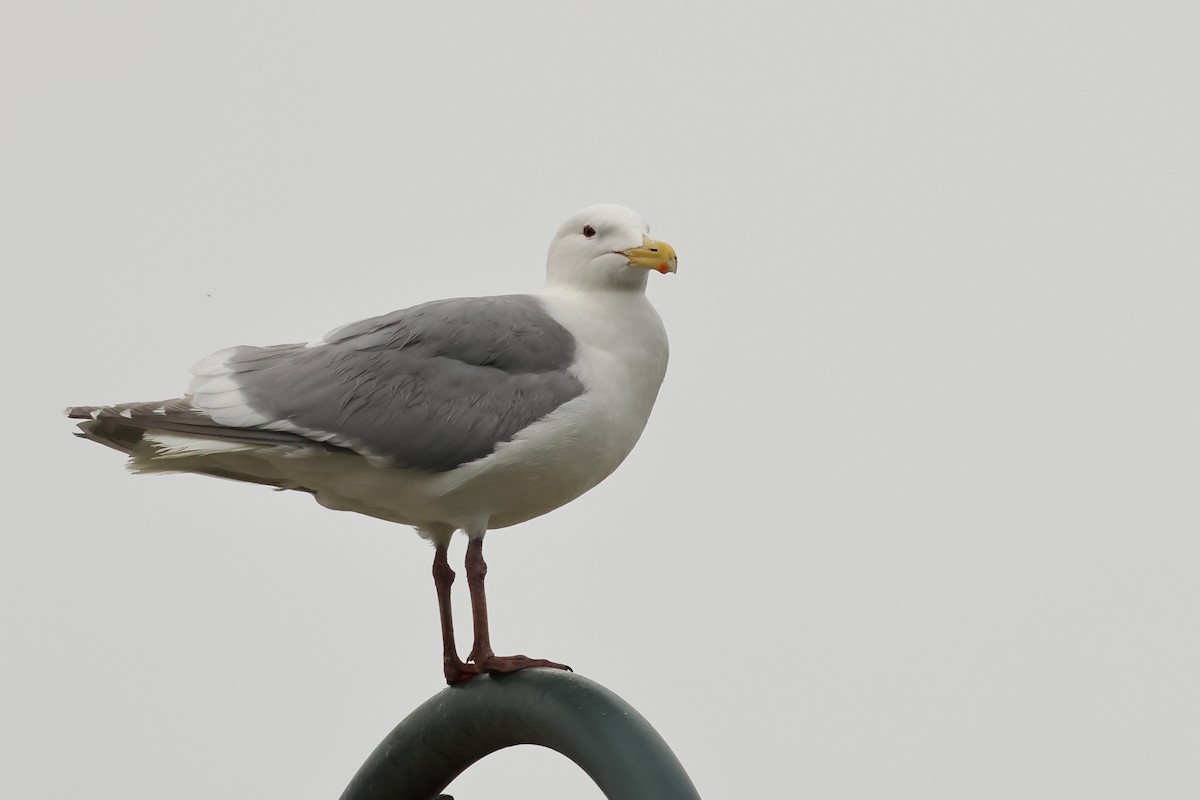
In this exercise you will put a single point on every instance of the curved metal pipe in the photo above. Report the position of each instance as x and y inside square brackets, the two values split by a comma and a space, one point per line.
[564, 711]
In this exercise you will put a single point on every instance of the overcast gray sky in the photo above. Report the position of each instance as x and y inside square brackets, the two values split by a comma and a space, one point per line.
[916, 515]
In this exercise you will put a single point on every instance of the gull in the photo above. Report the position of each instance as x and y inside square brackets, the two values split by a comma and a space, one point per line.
[468, 414]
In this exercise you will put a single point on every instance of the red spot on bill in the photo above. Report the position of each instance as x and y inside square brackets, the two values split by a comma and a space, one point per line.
[663, 269]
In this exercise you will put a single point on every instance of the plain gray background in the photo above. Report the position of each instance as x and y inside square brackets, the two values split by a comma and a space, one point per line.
[917, 511]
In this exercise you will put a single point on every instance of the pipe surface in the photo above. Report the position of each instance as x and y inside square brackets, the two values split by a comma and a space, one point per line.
[564, 711]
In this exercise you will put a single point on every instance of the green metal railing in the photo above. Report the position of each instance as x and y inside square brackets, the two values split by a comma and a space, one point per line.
[564, 711]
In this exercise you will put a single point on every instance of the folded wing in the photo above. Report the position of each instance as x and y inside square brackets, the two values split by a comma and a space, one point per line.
[430, 388]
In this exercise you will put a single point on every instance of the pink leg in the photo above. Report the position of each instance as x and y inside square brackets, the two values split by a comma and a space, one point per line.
[481, 654]
[443, 578]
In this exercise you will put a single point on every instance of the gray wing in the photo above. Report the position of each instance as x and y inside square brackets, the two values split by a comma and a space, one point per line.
[430, 387]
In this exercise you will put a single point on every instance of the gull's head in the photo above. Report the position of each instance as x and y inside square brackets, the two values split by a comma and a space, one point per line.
[606, 246]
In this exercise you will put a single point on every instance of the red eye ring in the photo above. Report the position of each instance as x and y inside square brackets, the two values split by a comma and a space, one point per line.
[589, 231]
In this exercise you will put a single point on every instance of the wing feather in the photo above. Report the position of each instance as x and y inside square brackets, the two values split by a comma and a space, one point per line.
[431, 387]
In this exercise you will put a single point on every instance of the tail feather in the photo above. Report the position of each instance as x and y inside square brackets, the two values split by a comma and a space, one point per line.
[125, 425]
[175, 436]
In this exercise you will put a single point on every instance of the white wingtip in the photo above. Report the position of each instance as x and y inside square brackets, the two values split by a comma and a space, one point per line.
[173, 445]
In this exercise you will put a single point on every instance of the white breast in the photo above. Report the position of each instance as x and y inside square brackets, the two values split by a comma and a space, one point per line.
[621, 359]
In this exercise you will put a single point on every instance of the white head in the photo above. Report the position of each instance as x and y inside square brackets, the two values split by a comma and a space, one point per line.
[606, 246]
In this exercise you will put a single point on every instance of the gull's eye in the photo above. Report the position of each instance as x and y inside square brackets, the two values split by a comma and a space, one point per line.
[589, 231]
